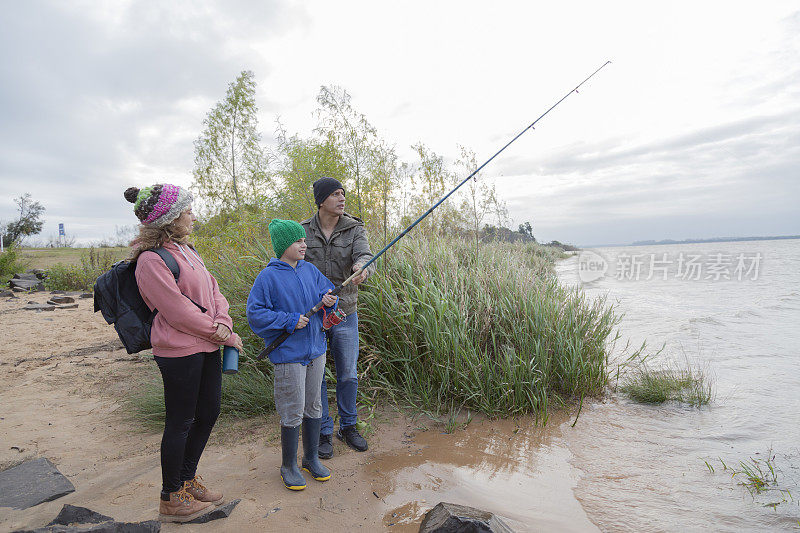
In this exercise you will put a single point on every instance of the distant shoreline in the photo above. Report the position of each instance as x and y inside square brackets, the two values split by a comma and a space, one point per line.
[695, 241]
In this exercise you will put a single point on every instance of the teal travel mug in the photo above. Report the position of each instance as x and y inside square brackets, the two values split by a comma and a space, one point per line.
[230, 360]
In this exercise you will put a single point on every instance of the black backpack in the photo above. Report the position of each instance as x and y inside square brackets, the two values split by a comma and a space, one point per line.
[117, 297]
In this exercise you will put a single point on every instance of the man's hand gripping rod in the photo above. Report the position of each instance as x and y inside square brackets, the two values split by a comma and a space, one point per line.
[277, 342]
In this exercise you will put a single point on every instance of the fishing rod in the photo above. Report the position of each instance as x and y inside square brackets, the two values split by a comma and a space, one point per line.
[283, 336]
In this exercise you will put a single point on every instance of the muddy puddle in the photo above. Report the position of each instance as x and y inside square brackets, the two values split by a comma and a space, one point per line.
[512, 468]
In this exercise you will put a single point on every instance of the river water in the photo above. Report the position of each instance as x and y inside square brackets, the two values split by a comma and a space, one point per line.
[731, 309]
[643, 467]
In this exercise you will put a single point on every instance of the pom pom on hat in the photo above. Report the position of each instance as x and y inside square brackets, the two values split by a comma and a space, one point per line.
[131, 193]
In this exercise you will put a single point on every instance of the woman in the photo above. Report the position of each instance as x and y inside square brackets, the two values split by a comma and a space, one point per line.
[191, 323]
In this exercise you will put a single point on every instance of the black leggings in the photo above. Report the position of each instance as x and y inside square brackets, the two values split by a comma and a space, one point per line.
[192, 392]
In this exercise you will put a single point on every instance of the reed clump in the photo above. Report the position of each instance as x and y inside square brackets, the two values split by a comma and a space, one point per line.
[489, 329]
[645, 383]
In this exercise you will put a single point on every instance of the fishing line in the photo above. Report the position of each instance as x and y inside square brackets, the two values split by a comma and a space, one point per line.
[277, 342]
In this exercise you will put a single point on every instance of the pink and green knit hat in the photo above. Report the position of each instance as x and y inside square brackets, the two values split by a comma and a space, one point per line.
[160, 204]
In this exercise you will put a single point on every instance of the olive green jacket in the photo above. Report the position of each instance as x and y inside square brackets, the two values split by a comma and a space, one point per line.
[336, 256]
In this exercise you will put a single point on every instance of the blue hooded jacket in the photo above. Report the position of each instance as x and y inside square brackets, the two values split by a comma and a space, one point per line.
[280, 295]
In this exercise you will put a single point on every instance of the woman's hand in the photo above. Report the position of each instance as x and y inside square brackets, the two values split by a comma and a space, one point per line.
[329, 300]
[238, 344]
[303, 322]
[222, 333]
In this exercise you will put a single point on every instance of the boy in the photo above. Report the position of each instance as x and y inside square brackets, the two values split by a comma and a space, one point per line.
[282, 293]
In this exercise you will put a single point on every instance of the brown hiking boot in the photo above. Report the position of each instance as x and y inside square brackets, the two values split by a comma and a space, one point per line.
[181, 507]
[200, 492]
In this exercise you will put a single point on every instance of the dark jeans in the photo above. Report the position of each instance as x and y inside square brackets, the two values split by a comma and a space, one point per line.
[192, 393]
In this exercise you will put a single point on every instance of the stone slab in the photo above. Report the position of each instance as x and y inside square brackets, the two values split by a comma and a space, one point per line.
[62, 299]
[31, 483]
[216, 514]
[72, 514]
[26, 284]
[150, 526]
[39, 307]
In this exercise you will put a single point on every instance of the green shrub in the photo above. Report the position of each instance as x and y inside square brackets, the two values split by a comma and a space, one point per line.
[80, 277]
[10, 263]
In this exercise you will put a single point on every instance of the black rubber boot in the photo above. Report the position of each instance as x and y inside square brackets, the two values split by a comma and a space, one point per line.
[311, 462]
[290, 474]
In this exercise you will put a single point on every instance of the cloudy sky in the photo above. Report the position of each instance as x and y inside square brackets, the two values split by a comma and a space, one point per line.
[693, 131]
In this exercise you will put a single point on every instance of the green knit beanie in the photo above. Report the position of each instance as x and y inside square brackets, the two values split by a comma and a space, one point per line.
[283, 233]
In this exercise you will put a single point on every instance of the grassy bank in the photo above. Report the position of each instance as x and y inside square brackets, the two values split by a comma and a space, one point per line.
[92, 262]
[445, 326]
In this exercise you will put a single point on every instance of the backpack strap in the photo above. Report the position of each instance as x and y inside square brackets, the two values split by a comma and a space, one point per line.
[172, 264]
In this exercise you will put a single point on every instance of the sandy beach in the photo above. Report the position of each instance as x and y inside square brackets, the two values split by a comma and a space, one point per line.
[65, 377]
[63, 398]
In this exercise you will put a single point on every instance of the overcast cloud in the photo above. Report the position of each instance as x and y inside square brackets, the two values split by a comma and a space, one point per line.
[693, 131]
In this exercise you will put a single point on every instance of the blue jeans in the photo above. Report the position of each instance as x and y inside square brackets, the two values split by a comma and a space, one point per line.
[343, 344]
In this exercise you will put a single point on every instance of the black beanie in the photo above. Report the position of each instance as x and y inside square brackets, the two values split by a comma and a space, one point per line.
[323, 188]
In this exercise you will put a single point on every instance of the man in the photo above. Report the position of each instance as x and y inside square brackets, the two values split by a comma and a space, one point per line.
[337, 246]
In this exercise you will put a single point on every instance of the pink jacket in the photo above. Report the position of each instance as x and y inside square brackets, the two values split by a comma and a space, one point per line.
[180, 327]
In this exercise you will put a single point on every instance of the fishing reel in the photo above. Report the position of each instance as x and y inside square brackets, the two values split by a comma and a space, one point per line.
[330, 320]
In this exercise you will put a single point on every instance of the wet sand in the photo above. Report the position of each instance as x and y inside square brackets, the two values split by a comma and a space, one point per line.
[62, 399]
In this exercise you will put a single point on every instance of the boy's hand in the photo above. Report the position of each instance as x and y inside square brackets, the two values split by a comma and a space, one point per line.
[303, 322]
[329, 299]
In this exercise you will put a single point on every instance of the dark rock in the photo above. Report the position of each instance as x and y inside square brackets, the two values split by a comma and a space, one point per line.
[39, 273]
[26, 284]
[72, 514]
[216, 514]
[5, 294]
[86, 295]
[151, 526]
[58, 292]
[31, 483]
[39, 307]
[68, 306]
[26, 275]
[454, 518]
[19, 289]
[62, 300]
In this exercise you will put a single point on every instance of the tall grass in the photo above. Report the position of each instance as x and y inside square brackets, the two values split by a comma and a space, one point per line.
[489, 329]
[444, 327]
[246, 394]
